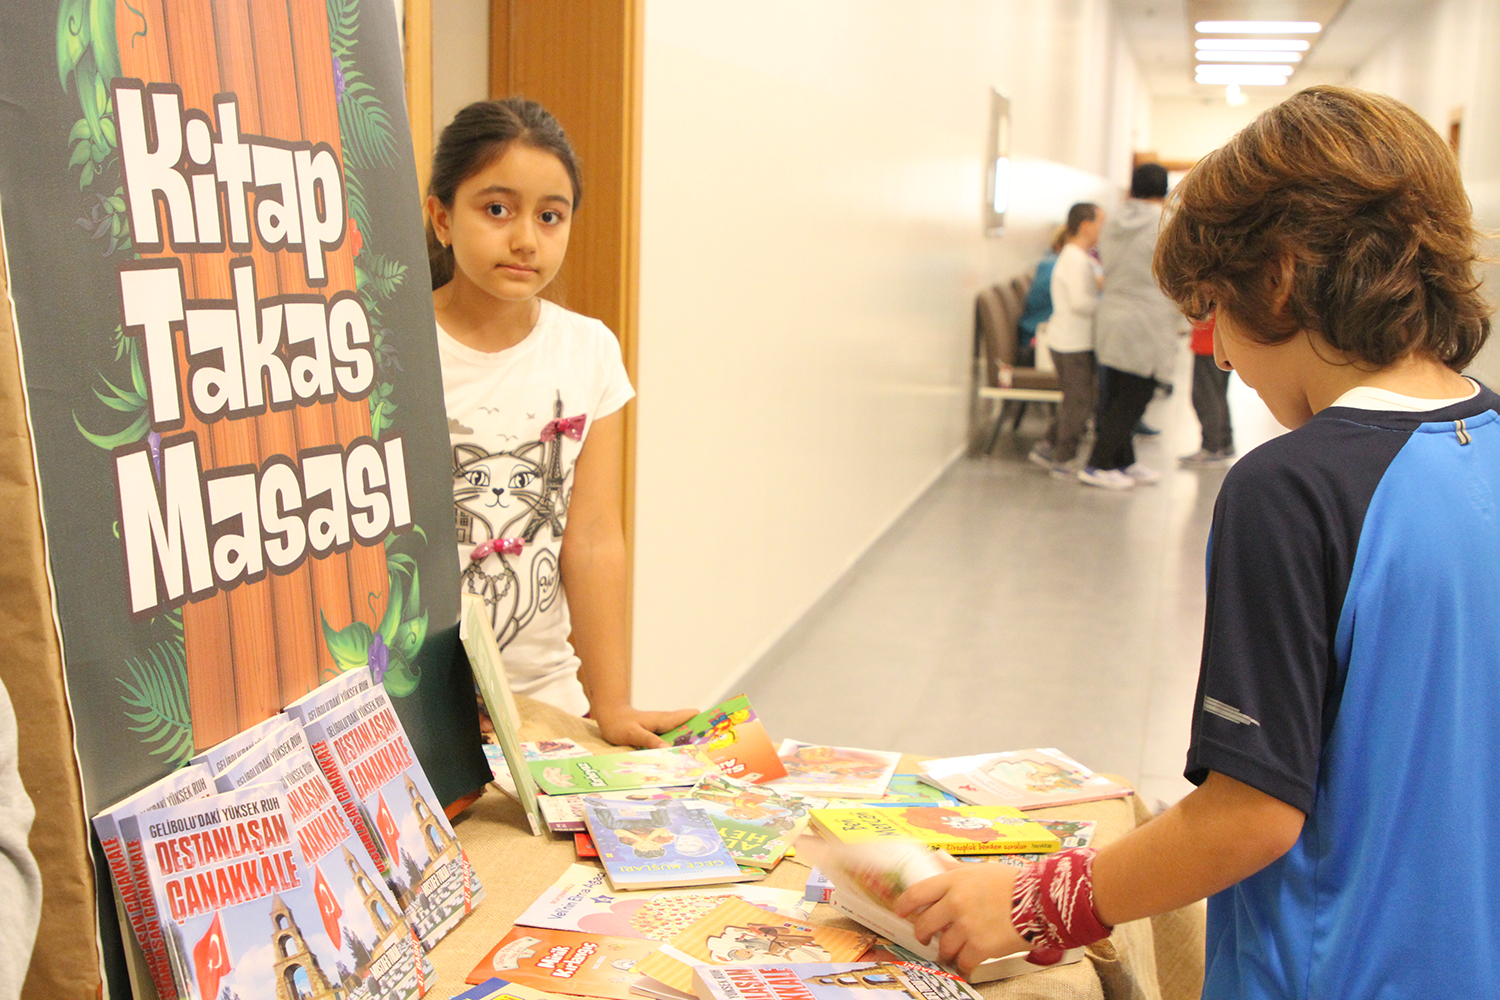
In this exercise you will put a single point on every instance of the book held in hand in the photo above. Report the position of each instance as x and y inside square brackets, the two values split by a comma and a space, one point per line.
[734, 738]
[955, 829]
[651, 845]
[1025, 779]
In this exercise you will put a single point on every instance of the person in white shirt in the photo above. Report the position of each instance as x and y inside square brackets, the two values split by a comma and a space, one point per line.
[1069, 336]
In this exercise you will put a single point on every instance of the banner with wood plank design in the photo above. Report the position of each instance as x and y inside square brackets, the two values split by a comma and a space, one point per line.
[220, 291]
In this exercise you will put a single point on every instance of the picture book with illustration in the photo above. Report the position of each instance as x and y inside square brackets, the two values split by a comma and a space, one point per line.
[564, 813]
[1069, 832]
[829, 981]
[955, 829]
[650, 845]
[843, 772]
[737, 933]
[583, 901]
[536, 750]
[758, 823]
[911, 790]
[1025, 779]
[734, 738]
[570, 962]
[364, 753]
[245, 911]
[665, 767]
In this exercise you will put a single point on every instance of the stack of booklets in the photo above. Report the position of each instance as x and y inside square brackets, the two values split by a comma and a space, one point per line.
[308, 849]
[1024, 779]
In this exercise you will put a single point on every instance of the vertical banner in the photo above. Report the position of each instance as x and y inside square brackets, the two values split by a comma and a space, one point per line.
[221, 298]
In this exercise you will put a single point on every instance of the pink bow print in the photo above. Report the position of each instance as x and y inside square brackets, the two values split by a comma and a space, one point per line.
[569, 426]
[504, 546]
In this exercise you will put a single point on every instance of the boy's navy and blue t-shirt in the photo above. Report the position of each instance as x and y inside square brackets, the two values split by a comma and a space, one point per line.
[1351, 668]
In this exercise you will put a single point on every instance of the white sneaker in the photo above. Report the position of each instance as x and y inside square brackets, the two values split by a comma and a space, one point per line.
[1041, 454]
[1204, 459]
[1143, 474]
[1109, 479]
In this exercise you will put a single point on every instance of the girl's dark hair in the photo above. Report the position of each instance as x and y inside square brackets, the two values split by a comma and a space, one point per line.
[1081, 212]
[478, 134]
[1353, 198]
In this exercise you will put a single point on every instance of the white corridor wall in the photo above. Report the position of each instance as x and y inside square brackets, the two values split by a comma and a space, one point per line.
[810, 251]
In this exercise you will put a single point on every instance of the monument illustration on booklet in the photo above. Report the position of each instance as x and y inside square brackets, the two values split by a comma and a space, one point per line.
[477, 634]
[244, 909]
[734, 738]
[828, 981]
[363, 751]
[1025, 779]
[666, 767]
[955, 829]
[652, 845]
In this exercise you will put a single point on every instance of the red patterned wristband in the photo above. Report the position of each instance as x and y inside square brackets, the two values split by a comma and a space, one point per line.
[1052, 905]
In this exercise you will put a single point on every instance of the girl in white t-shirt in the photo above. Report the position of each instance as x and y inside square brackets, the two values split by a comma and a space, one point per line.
[534, 395]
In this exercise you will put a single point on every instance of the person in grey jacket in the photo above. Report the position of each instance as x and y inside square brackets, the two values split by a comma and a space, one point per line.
[20, 880]
[1135, 332]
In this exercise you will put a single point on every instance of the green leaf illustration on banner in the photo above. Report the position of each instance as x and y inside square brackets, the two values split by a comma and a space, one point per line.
[390, 650]
[157, 700]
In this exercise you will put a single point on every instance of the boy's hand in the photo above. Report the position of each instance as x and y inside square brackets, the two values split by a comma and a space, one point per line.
[969, 907]
[627, 726]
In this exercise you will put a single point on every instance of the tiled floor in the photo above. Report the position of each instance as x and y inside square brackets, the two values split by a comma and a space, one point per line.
[1008, 609]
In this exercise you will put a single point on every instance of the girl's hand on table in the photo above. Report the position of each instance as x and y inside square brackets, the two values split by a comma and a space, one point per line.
[969, 907]
[628, 726]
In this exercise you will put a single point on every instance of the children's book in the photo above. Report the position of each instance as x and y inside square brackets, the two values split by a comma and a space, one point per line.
[733, 737]
[478, 636]
[582, 901]
[564, 813]
[119, 835]
[245, 913]
[583, 846]
[666, 767]
[570, 962]
[911, 790]
[758, 823]
[364, 753]
[737, 933]
[1069, 832]
[829, 981]
[494, 755]
[844, 772]
[869, 878]
[1025, 779]
[955, 829]
[221, 755]
[651, 845]
[499, 989]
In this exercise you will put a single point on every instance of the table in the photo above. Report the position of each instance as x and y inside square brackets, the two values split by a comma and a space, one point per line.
[1157, 959]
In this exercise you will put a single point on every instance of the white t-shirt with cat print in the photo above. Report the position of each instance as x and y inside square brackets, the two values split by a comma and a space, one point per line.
[517, 420]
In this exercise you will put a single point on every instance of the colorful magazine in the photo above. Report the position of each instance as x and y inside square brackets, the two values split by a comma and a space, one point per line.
[651, 845]
[363, 751]
[736, 933]
[667, 767]
[844, 772]
[244, 912]
[570, 962]
[1025, 779]
[955, 829]
[119, 835]
[758, 823]
[829, 981]
[734, 738]
[582, 901]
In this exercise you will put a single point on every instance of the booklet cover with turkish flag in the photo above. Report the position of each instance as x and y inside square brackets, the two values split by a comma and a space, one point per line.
[364, 753]
[247, 903]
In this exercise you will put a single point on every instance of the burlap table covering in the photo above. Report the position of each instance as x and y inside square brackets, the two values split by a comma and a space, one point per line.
[1160, 959]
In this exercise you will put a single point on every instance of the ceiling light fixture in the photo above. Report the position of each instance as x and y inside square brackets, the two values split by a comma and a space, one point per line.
[1252, 44]
[1249, 57]
[1258, 27]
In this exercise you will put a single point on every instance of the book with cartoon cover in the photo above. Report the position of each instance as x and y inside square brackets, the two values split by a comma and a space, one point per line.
[664, 767]
[652, 845]
[843, 772]
[581, 900]
[1025, 779]
[119, 835]
[571, 962]
[758, 823]
[734, 738]
[737, 933]
[955, 829]
[368, 761]
[1069, 832]
[829, 981]
[245, 912]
